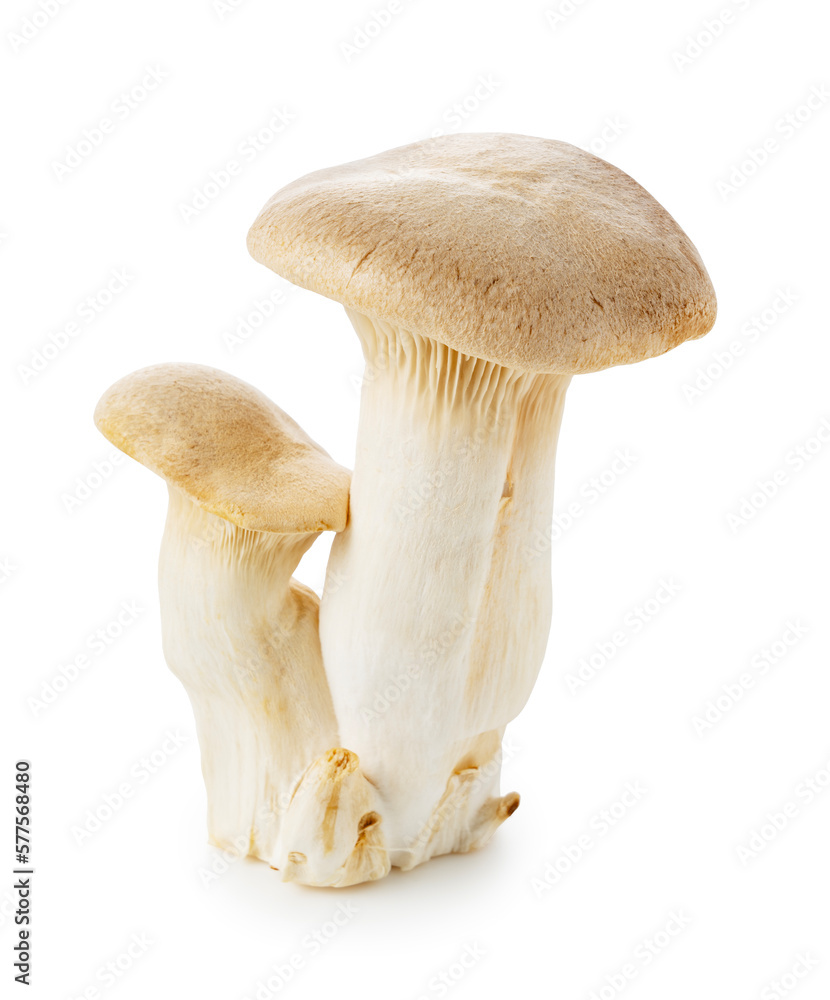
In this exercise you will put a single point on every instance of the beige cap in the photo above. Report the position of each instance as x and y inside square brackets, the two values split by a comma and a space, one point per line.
[524, 251]
[227, 446]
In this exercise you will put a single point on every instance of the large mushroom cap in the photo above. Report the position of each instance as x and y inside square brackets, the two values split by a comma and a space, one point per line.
[523, 251]
[227, 446]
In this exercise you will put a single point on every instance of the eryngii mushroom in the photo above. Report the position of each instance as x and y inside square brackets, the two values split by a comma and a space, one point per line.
[480, 272]
[249, 493]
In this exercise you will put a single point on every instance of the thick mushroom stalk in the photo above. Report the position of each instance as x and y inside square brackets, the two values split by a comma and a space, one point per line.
[249, 493]
[481, 272]
[241, 635]
[436, 632]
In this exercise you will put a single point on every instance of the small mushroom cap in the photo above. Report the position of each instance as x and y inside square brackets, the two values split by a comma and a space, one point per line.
[227, 446]
[523, 251]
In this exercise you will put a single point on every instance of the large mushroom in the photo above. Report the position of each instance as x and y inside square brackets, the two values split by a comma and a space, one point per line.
[480, 273]
[249, 493]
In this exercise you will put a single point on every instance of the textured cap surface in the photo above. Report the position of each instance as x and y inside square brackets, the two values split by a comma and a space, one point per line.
[227, 446]
[524, 251]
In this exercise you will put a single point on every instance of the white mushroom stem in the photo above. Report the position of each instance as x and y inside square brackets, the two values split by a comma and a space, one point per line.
[241, 635]
[435, 630]
[514, 622]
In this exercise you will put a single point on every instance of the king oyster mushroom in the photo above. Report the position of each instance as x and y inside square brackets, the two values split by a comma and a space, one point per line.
[249, 493]
[480, 273]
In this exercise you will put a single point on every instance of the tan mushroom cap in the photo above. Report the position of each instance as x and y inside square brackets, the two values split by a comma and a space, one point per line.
[227, 446]
[524, 251]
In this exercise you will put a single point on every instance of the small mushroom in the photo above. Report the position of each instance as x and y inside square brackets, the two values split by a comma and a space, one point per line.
[480, 273]
[249, 493]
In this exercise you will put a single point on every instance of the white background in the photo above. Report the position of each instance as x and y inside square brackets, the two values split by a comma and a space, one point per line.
[623, 79]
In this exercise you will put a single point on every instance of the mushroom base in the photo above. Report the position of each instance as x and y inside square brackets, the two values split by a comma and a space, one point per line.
[334, 834]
